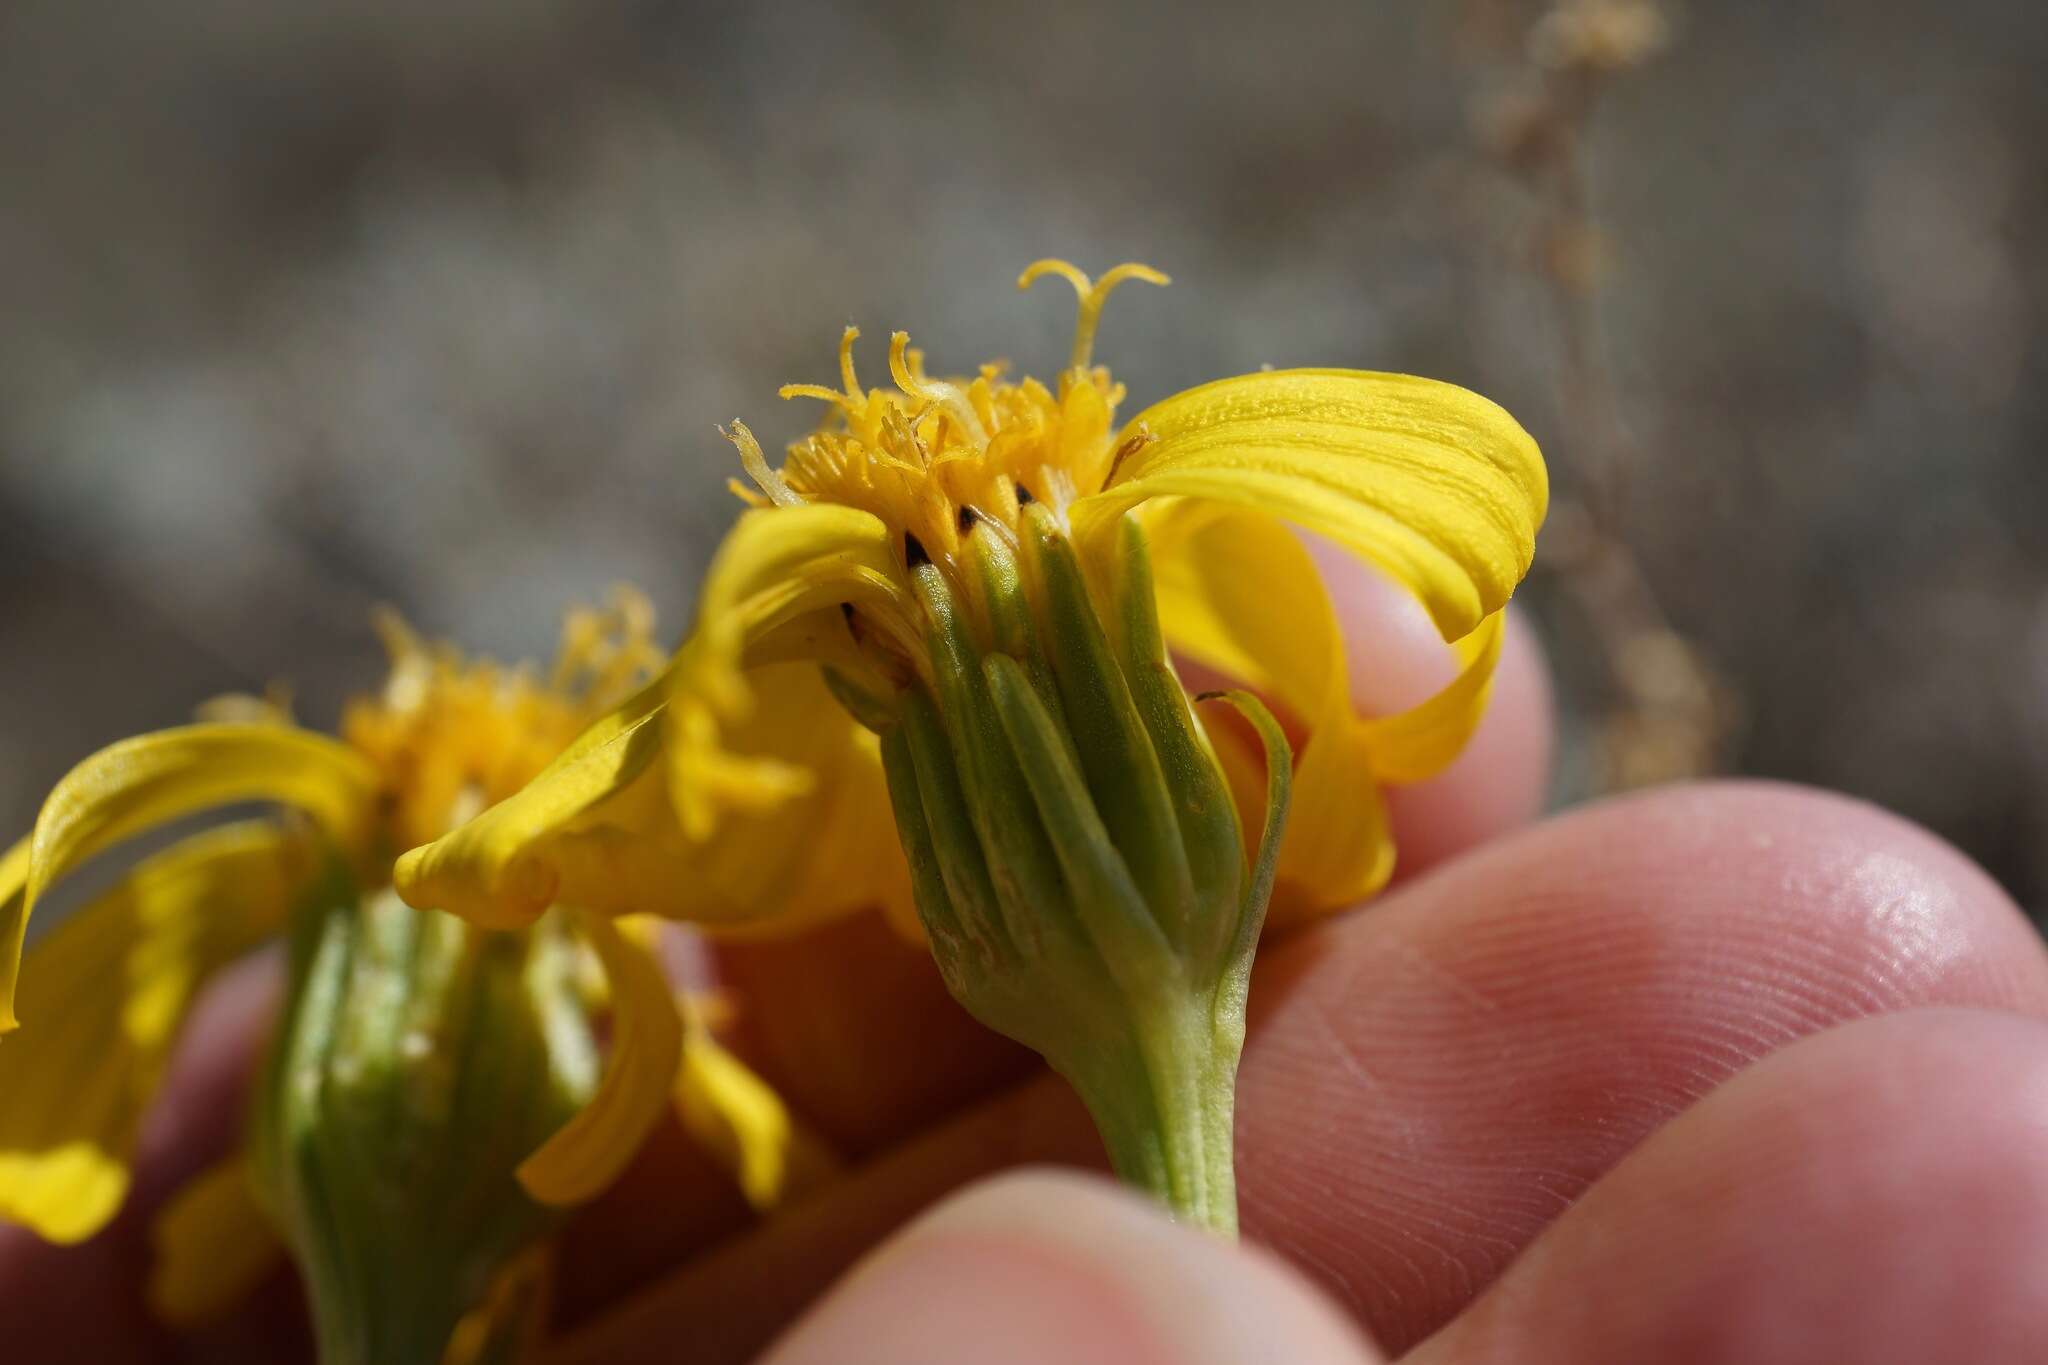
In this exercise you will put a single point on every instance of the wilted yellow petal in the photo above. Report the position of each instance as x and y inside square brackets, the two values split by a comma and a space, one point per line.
[128, 788]
[106, 990]
[1420, 742]
[1437, 485]
[826, 850]
[488, 870]
[589, 1151]
[776, 565]
[740, 1119]
[1338, 849]
[214, 1245]
[591, 830]
[829, 850]
[1240, 593]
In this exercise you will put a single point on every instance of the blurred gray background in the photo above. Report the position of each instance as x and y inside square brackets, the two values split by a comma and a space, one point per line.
[313, 306]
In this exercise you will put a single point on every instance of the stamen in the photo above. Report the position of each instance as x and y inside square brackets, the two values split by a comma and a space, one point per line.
[1024, 498]
[899, 367]
[901, 433]
[1066, 270]
[914, 552]
[913, 381]
[1093, 294]
[832, 396]
[398, 639]
[846, 376]
[968, 519]
[756, 465]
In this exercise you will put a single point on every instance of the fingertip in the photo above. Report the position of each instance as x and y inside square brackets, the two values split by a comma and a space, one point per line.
[1874, 1193]
[1041, 1265]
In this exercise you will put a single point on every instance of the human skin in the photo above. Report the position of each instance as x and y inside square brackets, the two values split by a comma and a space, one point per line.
[1729, 1072]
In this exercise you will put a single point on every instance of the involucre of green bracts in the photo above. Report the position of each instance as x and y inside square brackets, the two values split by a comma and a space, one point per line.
[1074, 849]
[419, 1061]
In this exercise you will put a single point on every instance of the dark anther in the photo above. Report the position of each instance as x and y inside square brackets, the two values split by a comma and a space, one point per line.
[846, 610]
[914, 551]
[1024, 495]
[968, 517]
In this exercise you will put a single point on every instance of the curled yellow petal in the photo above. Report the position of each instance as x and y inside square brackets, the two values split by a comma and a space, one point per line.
[131, 787]
[589, 1151]
[827, 851]
[1240, 593]
[1437, 485]
[107, 989]
[776, 566]
[741, 1120]
[606, 827]
[1338, 849]
[214, 1246]
[1419, 743]
[600, 834]
[491, 870]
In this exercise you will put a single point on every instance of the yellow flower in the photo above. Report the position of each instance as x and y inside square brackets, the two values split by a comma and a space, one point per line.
[772, 803]
[950, 612]
[102, 995]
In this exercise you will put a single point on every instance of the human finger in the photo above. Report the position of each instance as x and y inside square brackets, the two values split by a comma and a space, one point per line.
[1876, 1193]
[1042, 1266]
[1430, 1083]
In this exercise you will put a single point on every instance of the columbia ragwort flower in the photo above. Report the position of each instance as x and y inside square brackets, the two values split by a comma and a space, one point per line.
[950, 611]
[420, 1063]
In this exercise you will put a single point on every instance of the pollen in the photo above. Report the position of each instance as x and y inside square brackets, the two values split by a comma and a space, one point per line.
[932, 456]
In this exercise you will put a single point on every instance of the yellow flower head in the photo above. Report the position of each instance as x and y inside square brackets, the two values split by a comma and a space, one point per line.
[446, 736]
[923, 454]
[930, 666]
[451, 735]
[770, 806]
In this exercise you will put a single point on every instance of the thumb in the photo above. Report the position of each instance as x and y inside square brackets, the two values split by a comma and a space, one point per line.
[1042, 1266]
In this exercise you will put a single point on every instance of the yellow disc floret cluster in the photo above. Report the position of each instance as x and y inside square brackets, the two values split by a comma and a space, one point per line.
[930, 455]
[451, 735]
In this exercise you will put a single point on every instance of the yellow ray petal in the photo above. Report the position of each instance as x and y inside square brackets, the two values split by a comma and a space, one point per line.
[589, 1151]
[740, 1119]
[128, 788]
[590, 830]
[1437, 485]
[487, 870]
[1338, 849]
[214, 1245]
[826, 851]
[1420, 742]
[1240, 593]
[775, 566]
[106, 990]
